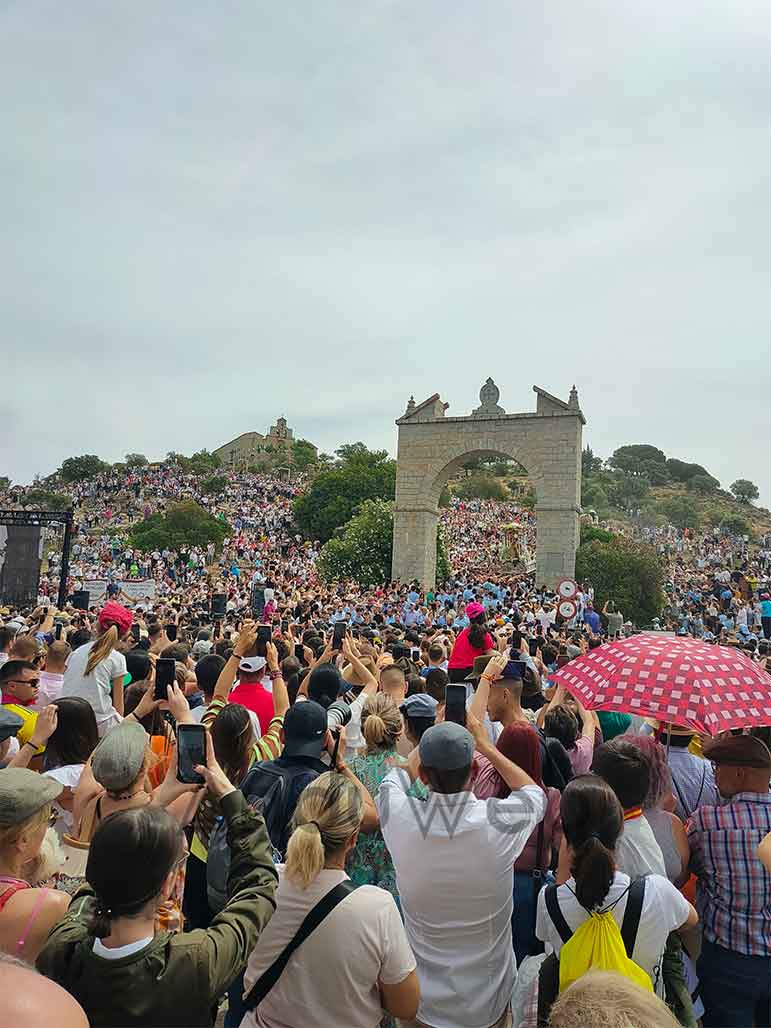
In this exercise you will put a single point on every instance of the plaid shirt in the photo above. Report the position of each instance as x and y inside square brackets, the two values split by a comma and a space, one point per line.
[734, 891]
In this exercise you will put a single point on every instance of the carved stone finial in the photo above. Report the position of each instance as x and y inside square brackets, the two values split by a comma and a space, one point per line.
[489, 395]
[411, 404]
[573, 399]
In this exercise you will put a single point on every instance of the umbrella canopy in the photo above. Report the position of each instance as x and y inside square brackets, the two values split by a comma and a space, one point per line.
[709, 689]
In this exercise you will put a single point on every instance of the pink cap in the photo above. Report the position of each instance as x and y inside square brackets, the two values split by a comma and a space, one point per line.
[113, 613]
[473, 610]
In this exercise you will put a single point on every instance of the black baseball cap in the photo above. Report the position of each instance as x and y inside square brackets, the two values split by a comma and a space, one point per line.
[305, 729]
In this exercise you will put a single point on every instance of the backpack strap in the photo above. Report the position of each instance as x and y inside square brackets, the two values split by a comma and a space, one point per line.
[632, 914]
[557, 919]
[310, 923]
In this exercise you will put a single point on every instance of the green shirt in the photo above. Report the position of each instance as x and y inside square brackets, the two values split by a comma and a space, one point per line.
[176, 979]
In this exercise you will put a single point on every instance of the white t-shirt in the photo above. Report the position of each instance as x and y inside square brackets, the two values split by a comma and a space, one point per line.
[637, 852]
[96, 688]
[454, 857]
[332, 979]
[664, 909]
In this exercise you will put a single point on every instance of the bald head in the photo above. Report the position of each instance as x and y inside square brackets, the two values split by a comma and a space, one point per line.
[29, 998]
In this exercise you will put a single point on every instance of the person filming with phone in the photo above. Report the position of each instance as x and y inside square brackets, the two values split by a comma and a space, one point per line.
[108, 952]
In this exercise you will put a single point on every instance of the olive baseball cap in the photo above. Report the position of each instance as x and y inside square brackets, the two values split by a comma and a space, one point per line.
[23, 793]
[119, 757]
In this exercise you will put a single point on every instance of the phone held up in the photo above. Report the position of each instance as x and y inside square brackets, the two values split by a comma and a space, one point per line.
[338, 634]
[455, 704]
[165, 674]
[191, 751]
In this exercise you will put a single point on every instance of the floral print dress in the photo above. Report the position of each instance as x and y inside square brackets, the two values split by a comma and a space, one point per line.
[369, 862]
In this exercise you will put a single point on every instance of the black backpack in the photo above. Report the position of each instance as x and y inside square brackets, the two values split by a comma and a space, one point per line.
[273, 789]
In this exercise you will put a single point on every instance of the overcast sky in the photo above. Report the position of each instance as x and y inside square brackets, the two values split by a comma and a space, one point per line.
[214, 214]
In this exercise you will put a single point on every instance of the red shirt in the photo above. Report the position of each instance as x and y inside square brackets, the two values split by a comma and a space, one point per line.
[463, 652]
[255, 697]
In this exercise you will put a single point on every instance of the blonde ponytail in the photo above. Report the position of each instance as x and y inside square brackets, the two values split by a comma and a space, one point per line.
[102, 648]
[328, 813]
[381, 722]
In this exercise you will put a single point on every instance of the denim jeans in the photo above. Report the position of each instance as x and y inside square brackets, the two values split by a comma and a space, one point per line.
[736, 989]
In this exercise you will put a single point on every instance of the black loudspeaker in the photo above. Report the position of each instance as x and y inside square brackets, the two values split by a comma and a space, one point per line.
[218, 605]
[19, 564]
[80, 599]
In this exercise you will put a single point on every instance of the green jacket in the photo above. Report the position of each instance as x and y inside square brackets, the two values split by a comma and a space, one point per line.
[175, 979]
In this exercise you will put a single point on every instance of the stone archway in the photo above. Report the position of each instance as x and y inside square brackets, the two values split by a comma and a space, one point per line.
[432, 447]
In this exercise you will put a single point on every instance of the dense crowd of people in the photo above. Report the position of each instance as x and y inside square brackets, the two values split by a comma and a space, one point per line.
[315, 803]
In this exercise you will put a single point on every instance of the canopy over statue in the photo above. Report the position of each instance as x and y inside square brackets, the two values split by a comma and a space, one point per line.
[433, 447]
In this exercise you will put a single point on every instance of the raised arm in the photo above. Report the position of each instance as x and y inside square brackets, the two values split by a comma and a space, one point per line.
[365, 675]
[245, 641]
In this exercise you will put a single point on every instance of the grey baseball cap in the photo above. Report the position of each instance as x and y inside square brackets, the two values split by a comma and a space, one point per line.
[23, 793]
[119, 757]
[420, 704]
[447, 747]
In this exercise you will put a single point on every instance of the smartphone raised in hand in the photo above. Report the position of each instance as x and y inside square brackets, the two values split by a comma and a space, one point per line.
[171, 632]
[455, 704]
[338, 635]
[191, 751]
[165, 675]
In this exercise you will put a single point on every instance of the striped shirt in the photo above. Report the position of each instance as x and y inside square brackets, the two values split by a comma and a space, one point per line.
[268, 747]
[734, 891]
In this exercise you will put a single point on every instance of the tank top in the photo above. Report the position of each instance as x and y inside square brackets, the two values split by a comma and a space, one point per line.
[12, 886]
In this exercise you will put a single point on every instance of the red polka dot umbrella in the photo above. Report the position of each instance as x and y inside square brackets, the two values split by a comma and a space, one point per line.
[710, 689]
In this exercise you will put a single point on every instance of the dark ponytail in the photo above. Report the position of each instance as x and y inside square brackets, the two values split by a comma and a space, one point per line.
[592, 820]
[129, 858]
[477, 632]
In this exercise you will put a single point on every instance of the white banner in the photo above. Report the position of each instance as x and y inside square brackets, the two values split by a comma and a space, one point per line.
[133, 590]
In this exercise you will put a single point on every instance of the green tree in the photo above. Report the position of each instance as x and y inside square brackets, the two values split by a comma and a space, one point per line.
[481, 486]
[593, 494]
[681, 471]
[303, 454]
[590, 464]
[183, 524]
[704, 485]
[135, 460]
[215, 485]
[45, 499]
[5, 483]
[203, 463]
[335, 494]
[629, 458]
[362, 549]
[78, 469]
[591, 533]
[626, 572]
[627, 490]
[735, 524]
[744, 490]
[680, 511]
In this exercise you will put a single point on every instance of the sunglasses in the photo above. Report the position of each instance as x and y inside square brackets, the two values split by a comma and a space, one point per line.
[33, 683]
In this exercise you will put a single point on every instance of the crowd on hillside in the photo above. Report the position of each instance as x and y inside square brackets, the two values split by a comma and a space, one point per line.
[313, 803]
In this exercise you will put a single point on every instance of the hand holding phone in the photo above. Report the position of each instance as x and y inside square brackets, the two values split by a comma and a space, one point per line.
[191, 751]
[165, 675]
[338, 634]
